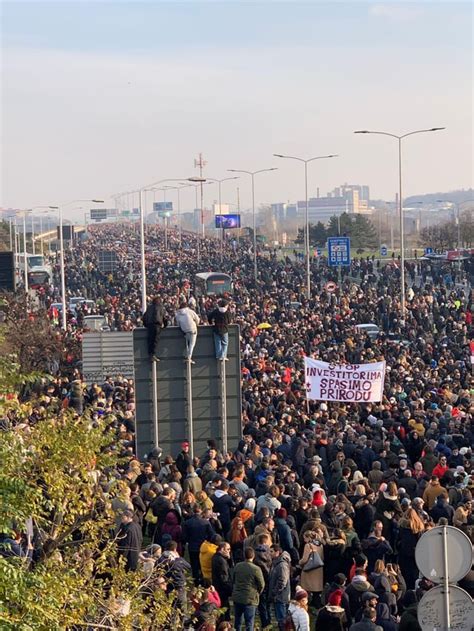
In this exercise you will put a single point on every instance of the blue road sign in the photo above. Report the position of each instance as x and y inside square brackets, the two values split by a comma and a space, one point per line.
[383, 250]
[339, 251]
[428, 251]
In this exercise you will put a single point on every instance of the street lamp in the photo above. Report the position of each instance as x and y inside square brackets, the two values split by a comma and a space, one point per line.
[61, 254]
[141, 191]
[400, 201]
[252, 175]
[225, 179]
[305, 162]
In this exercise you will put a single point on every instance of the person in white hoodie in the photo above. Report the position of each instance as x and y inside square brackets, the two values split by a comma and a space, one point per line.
[187, 320]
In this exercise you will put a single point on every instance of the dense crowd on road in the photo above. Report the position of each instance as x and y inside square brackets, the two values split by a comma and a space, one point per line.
[311, 522]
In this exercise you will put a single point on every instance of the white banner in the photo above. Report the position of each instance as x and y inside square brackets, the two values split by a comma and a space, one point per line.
[357, 383]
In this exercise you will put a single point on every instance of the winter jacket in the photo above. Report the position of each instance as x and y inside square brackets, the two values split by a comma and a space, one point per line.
[220, 321]
[432, 491]
[442, 509]
[409, 619]
[284, 534]
[279, 579]
[375, 549]
[300, 617]
[183, 460]
[221, 575]
[224, 505]
[248, 584]
[172, 528]
[263, 558]
[355, 590]
[187, 320]
[192, 482]
[195, 531]
[331, 618]
[129, 540]
[269, 502]
[176, 569]
[161, 506]
[206, 552]
[155, 316]
[365, 625]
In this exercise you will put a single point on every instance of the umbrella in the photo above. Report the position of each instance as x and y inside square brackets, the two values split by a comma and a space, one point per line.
[264, 325]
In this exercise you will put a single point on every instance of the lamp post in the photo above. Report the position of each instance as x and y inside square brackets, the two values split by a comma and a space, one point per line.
[305, 162]
[219, 182]
[61, 254]
[400, 200]
[141, 191]
[252, 175]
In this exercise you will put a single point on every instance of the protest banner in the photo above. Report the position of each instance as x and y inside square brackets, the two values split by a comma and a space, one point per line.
[357, 383]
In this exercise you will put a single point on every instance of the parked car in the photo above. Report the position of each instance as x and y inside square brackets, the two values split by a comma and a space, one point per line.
[372, 330]
[95, 323]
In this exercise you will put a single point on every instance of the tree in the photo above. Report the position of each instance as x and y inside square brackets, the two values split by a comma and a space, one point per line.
[317, 235]
[31, 337]
[58, 474]
[358, 227]
[440, 236]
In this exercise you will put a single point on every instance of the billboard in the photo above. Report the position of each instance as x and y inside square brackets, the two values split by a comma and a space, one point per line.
[227, 221]
[68, 232]
[164, 209]
[107, 261]
[97, 214]
[107, 353]
[112, 212]
[173, 410]
[7, 271]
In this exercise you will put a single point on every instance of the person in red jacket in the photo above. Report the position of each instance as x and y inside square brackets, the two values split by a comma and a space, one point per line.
[441, 468]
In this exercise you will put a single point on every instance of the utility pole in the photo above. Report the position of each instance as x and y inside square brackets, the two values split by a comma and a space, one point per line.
[201, 163]
[238, 212]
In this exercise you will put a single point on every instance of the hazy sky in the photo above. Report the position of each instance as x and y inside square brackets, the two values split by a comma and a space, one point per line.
[102, 97]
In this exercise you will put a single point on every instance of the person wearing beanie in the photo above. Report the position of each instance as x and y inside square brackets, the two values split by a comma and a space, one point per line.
[332, 617]
[298, 610]
[338, 584]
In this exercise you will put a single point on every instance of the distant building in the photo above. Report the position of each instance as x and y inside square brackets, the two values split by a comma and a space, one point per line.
[346, 189]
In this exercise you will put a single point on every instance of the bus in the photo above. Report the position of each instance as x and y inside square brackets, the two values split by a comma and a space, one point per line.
[213, 284]
[33, 260]
[39, 277]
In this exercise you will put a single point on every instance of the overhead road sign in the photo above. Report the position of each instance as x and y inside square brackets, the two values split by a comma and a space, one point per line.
[98, 214]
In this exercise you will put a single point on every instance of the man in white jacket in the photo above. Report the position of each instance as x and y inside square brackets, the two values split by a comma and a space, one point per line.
[187, 320]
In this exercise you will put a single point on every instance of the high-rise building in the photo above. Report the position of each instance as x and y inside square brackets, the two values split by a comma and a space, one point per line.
[346, 190]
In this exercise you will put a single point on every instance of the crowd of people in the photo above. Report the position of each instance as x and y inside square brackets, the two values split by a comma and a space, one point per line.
[311, 521]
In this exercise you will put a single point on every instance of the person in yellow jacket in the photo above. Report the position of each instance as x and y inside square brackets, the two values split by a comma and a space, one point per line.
[206, 552]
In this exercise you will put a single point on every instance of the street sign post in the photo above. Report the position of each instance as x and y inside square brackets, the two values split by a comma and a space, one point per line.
[431, 610]
[330, 286]
[444, 555]
[429, 554]
[339, 251]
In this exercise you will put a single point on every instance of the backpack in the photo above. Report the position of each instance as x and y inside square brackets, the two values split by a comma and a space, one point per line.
[288, 624]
